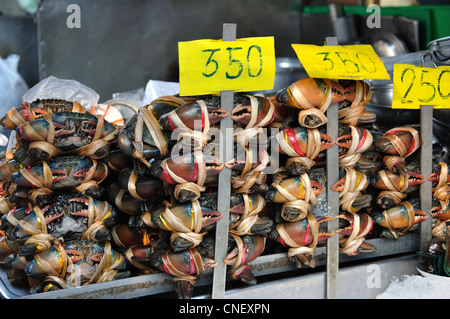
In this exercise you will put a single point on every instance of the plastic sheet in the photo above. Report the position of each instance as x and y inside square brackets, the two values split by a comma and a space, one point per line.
[69, 90]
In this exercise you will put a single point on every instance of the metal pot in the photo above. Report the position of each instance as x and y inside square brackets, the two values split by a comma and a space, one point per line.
[381, 104]
[441, 131]
[440, 51]
[288, 70]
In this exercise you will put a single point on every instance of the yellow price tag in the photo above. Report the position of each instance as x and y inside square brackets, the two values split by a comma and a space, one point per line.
[352, 62]
[211, 66]
[415, 86]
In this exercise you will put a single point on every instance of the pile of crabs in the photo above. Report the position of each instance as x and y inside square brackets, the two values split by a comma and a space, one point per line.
[85, 201]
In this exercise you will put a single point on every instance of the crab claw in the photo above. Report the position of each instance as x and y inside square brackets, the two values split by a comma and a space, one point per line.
[346, 224]
[53, 259]
[37, 172]
[145, 187]
[313, 90]
[186, 167]
[367, 248]
[339, 186]
[440, 212]
[244, 274]
[400, 216]
[294, 186]
[185, 214]
[359, 136]
[436, 178]
[254, 111]
[238, 163]
[406, 138]
[180, 264]
[397, 180]
[252, 246]
[298, 139]
[191, 114]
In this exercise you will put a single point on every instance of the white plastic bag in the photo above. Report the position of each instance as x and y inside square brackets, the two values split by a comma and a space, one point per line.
[154, 89]
[12, 87]
[69, 90]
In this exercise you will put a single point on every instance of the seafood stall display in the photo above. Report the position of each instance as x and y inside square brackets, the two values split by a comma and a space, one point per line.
[86, 199]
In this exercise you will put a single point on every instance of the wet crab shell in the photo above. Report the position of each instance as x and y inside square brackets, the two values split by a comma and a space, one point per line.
[253, 247]
[313, 90]
[399, 217]
[295, 187]
[29, 111]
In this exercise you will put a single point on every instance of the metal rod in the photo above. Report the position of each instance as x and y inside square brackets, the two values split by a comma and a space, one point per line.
[224, 184]
[332, 197]
[426, 166]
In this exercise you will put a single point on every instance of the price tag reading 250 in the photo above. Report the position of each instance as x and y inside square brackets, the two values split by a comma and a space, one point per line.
[211, 66]
[415, 86]
[352, 62]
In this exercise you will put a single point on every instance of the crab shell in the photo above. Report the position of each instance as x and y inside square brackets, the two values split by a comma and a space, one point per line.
[340, 184]
[414, 179]
[238, 163]
[192, 116]
[7, 167]
[118, 160]
[72, 131]
[297, 138]
[30, 111]
[242, 113]
[86, 255]
[365, 224]
[185, 213]
[281, 111]
[184, 265]
[145, 186]
[125, 236]
[345, 141]
[182, 261]
[186, 167]
[138, 256]
[123, 200]
[349, 90]
[300, 232]
[399, 217]
[66, 217]
[313, 89]
[384, 145]
[17, 213]
[253, 246]
[8, 247]
[165, 104]
[67, 172]
[53, 257]
[295, 187]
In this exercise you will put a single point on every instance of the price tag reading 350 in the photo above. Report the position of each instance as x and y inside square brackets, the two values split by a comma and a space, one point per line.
[352, 62]
[211, 66]
[415, 86]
